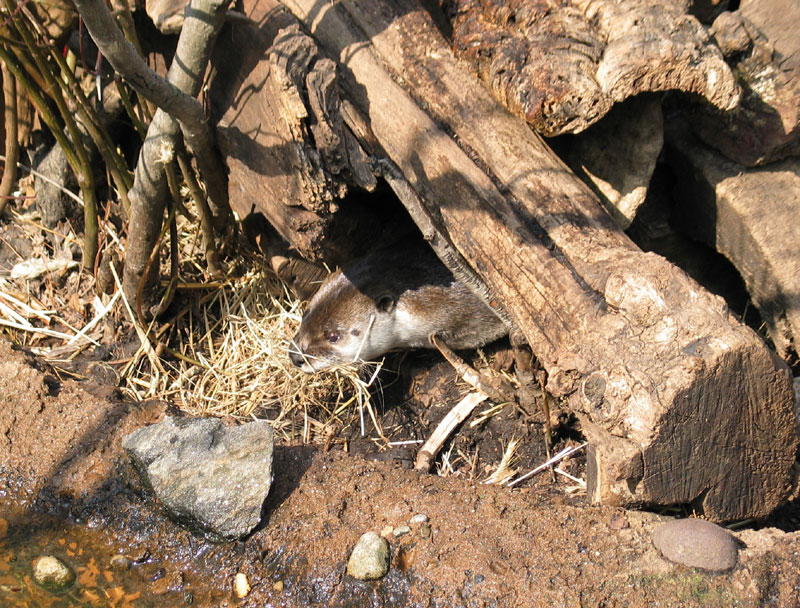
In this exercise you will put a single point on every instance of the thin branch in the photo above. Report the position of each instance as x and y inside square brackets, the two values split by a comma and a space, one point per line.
[177, 93]
[80, 165]
[175, 97]
[12, 142]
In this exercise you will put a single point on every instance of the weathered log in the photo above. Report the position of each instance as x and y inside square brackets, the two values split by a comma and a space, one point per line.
[276, 110]
[680, 401]
[750, 216]
[761, 42]
[561, 66]
[616, 157]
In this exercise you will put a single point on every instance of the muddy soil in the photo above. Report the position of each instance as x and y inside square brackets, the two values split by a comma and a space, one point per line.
[67, 489]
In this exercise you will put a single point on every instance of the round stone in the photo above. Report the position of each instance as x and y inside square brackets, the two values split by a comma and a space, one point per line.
[696, 543]
[401, 531]
[52, 574]
[370, 558]
[419, 518]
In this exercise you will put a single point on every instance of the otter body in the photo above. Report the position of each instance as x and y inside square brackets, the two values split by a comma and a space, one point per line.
[392, 299]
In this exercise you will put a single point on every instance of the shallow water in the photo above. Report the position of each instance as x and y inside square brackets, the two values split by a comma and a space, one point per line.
[97, 583]
[145, 582]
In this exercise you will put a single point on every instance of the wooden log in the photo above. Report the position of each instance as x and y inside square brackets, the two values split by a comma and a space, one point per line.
[275, 106]
[562, 66]
[680, 401]
[750, 216]
[761, 42]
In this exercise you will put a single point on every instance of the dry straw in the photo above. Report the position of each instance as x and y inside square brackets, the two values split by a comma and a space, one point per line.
[228, 357]
[221, 351]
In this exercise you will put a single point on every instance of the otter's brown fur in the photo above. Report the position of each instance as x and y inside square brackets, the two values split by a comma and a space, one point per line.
[392, 299]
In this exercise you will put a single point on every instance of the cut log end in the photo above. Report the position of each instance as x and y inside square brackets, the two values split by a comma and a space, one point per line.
[713, 426]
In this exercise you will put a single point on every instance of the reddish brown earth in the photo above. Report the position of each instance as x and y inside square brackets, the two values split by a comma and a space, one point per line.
[66, 488]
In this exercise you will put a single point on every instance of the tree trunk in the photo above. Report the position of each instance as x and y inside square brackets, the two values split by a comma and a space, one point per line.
[680, 401]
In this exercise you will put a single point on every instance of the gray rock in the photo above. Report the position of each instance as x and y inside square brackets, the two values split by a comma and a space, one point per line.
[401, 531]
[370, 558]
[209, 477]
[52, 574]
[696, 543]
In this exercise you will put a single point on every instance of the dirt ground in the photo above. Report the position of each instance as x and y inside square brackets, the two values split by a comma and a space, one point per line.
[66, 488]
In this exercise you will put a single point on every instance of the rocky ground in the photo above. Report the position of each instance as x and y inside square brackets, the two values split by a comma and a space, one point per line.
[69, 490]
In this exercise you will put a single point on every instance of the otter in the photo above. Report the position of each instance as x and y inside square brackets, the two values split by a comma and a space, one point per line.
[392, 299]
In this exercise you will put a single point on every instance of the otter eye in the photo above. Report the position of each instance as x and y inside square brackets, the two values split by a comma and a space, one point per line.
[332, 337]
[355, 332]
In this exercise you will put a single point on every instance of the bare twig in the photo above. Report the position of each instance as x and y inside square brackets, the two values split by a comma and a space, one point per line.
[550, 461]
[497, 389]
[71, 145]
[454, 417]
[175, 96]
[199, 198]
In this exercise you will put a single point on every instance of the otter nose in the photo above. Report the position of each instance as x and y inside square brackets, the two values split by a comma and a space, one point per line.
[297, 358]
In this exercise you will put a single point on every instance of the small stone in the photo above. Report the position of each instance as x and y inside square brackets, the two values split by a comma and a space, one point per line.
[120, 563]
[370, 558]
[387, 531]
[619, 522]
[53, 574]
[240, 585]
[696, 543]
[419, 518]
[401, 531]
[425, 530]
[278, 586]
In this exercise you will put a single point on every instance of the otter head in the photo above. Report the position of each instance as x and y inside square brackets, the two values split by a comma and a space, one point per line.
[343, 325]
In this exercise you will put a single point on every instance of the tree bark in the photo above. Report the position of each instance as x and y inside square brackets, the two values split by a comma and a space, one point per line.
[680, 401]
[279, 127]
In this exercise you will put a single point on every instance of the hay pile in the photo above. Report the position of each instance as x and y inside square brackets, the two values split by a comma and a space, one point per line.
[220, 350]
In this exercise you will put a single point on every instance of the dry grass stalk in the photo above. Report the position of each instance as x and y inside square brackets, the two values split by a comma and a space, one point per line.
[229, 359]
[568, 451]
[508, 465]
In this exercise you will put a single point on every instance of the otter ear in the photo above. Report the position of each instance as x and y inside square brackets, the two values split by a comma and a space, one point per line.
[386, 303]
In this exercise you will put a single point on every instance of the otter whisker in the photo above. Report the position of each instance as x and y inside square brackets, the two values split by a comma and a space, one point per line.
[364, 339]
